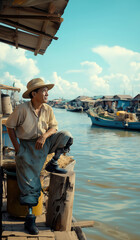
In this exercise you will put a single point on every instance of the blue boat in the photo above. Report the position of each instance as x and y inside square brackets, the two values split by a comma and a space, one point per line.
[111, 123]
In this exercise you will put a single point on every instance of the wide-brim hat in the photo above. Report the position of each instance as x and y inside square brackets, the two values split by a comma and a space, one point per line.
[34, 84]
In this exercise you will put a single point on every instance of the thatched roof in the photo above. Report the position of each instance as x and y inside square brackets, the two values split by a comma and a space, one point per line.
[30, 24]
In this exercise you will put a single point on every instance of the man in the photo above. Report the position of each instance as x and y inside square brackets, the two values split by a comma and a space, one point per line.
[32, 128]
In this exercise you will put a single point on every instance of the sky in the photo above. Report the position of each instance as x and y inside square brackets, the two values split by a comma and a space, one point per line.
[97, 53]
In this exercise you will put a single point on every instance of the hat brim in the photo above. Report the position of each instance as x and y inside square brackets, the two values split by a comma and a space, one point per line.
[27, 93]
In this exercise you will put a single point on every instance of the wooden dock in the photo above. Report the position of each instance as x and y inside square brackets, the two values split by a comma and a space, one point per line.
[13, 229]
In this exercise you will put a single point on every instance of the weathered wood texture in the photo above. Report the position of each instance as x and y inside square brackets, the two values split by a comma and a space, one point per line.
[83, 224]
[69, 235]
[60, 202]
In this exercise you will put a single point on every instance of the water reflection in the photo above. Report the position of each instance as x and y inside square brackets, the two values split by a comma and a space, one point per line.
[107, 178]
[119, 132]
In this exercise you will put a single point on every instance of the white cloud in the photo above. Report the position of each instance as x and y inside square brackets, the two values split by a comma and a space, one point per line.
[17, 60]
[120, 74]
[92, 67]
[120, 60]
[65, 89]
[74, 71]
[124, 64]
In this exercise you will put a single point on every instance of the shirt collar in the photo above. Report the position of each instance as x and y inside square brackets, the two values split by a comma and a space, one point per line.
[32, 108]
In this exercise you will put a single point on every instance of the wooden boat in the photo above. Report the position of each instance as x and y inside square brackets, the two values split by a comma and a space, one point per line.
[75, 109]
[113, 123]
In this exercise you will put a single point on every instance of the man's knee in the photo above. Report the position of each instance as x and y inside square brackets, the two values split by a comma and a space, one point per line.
[66, 134]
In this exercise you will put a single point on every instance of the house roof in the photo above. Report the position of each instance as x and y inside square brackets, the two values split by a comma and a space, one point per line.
[137, 97]
[107, 97]
[81, 98]
[30, 24]
[122, 97]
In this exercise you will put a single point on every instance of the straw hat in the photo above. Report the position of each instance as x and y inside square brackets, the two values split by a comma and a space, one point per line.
[34, 84]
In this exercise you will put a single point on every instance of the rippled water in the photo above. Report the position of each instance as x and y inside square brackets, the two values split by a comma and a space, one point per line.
[107, 177]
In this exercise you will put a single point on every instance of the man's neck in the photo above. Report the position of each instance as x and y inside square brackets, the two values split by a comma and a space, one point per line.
[36, 105]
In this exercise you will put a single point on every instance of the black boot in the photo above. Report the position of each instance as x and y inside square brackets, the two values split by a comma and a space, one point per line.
[30, 225]
[51, 167]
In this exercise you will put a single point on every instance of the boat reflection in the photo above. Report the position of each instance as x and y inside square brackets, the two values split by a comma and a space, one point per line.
[119, 132]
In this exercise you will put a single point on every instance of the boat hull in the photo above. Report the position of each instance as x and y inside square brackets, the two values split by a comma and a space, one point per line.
[98, 121]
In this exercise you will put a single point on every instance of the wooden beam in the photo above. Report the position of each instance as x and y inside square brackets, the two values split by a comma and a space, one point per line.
[44, 25]
[36, 11]
[50, 18]
[51, 10]
[5, 87]
[16, 38]
[25, 28]
[22, 46]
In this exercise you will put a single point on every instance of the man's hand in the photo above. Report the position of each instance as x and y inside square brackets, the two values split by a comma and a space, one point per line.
[40, 142]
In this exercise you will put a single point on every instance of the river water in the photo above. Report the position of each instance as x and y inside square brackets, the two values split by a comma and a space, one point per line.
[107, 177]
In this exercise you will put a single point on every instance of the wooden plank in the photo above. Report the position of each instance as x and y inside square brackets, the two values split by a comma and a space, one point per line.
[44, 233]
[16, 238]
[34, 238]
[36, 11]
[44, 238]
[50, 18]
[29, 29]
[69, 235]
[83, 224]
[15, 227]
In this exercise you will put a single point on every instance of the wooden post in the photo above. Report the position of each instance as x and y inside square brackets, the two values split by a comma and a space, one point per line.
[1, 144]
[60, 201]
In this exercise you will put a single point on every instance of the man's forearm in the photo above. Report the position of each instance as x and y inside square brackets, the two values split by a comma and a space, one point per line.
[50, 132]
[12, 135]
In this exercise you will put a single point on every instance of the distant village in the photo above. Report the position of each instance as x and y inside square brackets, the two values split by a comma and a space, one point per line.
[108, 103]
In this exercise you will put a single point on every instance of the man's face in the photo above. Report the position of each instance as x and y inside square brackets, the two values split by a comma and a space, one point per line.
[41, 95]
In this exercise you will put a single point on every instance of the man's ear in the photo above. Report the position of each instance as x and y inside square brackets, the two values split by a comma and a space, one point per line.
[33, 94]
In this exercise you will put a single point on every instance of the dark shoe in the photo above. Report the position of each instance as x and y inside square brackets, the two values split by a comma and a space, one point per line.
[30, 225]
[54, 168]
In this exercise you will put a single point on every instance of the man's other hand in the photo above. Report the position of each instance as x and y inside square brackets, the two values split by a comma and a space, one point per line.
[40, 142]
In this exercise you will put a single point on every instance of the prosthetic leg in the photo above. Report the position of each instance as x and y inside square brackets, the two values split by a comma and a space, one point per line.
[29, 224]
[52, 166]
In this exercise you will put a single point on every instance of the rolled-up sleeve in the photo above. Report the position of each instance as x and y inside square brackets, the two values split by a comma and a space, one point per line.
[14, 119]
[52, 121]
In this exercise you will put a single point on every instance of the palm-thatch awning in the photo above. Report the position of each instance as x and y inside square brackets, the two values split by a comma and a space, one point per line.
[30, 24]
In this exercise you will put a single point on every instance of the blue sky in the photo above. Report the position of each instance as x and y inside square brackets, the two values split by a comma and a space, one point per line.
[97, 53]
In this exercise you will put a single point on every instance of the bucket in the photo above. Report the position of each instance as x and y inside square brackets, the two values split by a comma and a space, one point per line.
[14, 208]
[6, 104]
[5, 137]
